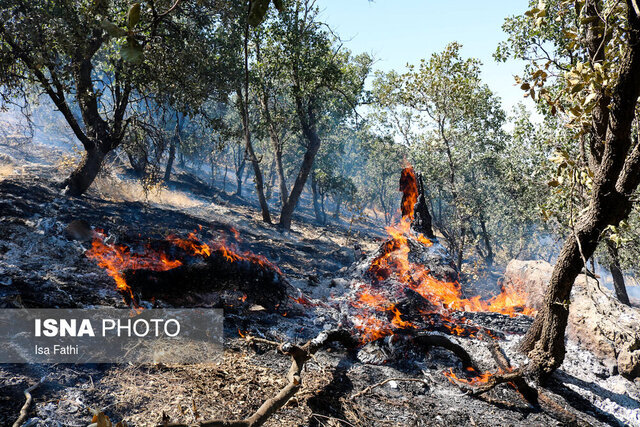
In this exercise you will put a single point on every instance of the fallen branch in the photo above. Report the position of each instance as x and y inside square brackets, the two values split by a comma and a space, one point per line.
[516, 378]
[426, 340]
[25, 408]
[529, 393]
[299, 356]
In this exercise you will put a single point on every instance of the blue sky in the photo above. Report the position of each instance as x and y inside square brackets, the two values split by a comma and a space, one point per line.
[398, 32]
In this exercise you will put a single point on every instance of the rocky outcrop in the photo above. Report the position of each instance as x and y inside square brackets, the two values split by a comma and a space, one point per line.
[597, 320]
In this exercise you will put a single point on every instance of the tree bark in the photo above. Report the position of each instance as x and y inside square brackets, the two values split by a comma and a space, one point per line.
[336, 212]
[616, 177]
[487, 241]
[172, 147]
[276, 141]
[84, 175]
[317, 208]
[239, 173]
[170, 159]
[616, 273]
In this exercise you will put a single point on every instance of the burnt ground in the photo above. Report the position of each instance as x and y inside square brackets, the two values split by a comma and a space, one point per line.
[40, 267]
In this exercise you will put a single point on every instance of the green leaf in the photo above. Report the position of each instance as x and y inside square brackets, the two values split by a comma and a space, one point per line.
[134, 15]
[112, 29]
[131, 51]
[257, 11]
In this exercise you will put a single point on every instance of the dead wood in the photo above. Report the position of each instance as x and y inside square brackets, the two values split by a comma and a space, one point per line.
[25, 408]
[426, 340]
[516, 378]
[301, 354]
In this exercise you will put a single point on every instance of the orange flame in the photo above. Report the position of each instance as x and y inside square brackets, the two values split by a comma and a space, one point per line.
[115, 259]
[474, 377]
[394, 262]
[409, 188]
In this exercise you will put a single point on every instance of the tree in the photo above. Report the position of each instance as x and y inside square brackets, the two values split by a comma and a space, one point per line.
[77, 53]
[592, 79]
[324, 81]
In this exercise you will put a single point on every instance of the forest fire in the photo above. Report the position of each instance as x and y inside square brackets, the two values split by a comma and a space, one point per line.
[396, 264]
[163, 256]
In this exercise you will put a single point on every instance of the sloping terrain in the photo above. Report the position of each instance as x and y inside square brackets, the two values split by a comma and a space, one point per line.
[41, 265]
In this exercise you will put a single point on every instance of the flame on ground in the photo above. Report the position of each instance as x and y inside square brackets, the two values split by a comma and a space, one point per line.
[473, 377]
[115, 259]
[394, 263]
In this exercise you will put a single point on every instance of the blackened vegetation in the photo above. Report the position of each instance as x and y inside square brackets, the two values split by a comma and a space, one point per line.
[421, 218]
[258, 280]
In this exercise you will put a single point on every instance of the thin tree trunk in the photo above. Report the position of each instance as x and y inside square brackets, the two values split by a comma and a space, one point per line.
[172, 156]
[239, 173]
[309, 131]
[264, 206]
[271, 180]
[336, 213]
[276, 141]
[487, 242]
[316, 204]
[460, 254]
[616, 273]
[84, 175]
[224, 178]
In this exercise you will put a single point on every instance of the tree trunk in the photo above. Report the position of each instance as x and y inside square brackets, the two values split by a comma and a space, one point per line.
[224, 178]
[244, 106]
[84, 175]
[545, 339]
[276, 142]
[616, 274]
[616, 177]
[271, 180]
[282, 180]
[460, 254]
[239, 174]
[309, 131]
[316, 203]
[172, 147]
[172, 156]
[487, 241]
[336, 213]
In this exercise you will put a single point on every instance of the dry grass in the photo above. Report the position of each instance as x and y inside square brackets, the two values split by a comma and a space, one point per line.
[6, 170]
[109, 186]
[232, 389]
